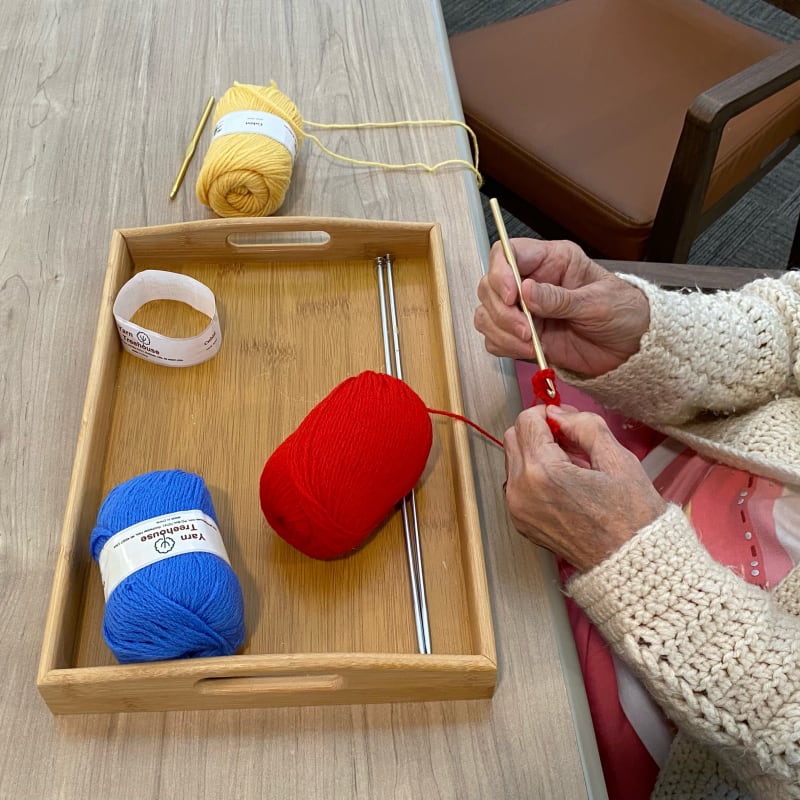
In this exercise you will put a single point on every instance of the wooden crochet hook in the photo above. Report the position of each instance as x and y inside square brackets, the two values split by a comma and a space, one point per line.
[191, 148]
[512, 262]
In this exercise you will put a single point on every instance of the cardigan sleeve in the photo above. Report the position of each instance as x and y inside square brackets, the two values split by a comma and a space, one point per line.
[787, 593]
[723, 352]
[721, 657]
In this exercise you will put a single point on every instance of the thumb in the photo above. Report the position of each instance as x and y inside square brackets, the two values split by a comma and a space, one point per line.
[591, 434]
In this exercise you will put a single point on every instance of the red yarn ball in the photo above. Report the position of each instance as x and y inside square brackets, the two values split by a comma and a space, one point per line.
[359, 451]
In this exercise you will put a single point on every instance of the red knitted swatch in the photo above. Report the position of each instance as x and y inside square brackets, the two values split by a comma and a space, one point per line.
[357, 453]
[539, 383]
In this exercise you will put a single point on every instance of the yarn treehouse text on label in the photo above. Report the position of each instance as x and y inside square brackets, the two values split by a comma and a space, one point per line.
[148, 345]
[151, 540]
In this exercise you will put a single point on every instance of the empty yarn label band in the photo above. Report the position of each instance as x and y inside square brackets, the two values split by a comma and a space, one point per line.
[155, 539]
[261, 122]
[154, 284]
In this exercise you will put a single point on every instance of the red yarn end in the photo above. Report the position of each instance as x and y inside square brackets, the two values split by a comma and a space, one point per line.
[539, 381]
[555, 429]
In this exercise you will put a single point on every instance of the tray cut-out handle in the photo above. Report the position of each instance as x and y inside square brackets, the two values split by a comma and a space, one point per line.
[266, 241]
[252, 239]
[270, 684]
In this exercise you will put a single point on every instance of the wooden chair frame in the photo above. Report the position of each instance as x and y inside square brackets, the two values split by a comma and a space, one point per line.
[691, 276]
[680, 217]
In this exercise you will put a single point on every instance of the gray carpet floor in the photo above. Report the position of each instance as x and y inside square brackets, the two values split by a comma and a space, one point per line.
[758, 230]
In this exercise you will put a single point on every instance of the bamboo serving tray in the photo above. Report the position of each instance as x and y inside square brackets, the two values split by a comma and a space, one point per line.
[298, 304]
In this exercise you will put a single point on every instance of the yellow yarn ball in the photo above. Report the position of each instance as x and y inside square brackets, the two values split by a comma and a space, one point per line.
[247, 174]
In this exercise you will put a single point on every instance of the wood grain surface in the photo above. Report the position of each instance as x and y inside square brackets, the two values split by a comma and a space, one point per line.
[98, 101]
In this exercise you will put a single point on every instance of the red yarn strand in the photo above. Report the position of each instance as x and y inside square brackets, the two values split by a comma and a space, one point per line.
[477, 427]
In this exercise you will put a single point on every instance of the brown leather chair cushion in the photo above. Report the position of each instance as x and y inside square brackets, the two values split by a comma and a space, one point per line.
[578, 107]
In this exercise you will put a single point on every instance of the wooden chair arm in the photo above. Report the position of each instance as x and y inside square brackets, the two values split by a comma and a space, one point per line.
[713, 108]
[681, 206]
[679, 276]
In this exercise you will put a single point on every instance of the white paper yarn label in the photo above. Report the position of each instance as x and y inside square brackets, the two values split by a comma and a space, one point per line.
[153, 284]
[155, 539]
[261, 122]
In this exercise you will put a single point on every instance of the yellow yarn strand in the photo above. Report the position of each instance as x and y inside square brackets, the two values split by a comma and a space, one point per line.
[248, 174]
[399, 124]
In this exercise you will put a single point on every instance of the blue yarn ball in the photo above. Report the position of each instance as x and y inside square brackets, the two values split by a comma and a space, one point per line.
[186, 606]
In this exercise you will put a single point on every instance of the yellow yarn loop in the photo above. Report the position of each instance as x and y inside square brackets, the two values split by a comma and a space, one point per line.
[248, 174]
[404, 123]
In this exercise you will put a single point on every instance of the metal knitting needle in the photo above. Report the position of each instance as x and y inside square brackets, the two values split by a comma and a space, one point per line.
[408, 506]
[388, 360]
[191, 148]
[512, 262]
[413, 549]
[412, 497]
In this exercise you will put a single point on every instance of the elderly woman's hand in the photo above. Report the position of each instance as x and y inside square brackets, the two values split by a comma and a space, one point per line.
[589, 320]
[583, 501]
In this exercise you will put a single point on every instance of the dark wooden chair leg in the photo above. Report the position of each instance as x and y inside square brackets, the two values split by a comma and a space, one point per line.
[794, 253]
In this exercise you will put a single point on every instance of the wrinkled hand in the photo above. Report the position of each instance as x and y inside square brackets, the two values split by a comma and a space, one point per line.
[588, 320]
[583, 504]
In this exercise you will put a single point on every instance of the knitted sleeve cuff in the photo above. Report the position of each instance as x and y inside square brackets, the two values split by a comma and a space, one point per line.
[715, 652]
[646, 589]
[703, 352]
[787, 593]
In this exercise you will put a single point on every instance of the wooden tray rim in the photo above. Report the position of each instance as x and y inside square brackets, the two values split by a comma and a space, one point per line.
[52, 679]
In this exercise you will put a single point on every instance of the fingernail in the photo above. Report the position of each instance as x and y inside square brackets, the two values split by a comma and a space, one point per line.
[555, 410]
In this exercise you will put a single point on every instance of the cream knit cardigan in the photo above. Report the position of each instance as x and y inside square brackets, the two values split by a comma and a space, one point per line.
[721, 373]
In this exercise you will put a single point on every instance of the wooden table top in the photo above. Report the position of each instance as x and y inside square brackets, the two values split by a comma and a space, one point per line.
[98, 103]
